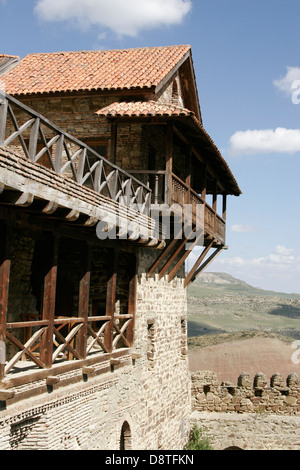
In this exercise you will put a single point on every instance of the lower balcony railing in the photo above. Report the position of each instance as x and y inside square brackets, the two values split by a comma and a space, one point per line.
[71, 339]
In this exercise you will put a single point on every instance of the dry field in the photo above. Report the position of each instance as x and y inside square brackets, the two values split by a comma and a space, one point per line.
[229, 359]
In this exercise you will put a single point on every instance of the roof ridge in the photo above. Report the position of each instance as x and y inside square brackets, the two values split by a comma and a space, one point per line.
[172, 106]
[97, 51]
[9, 56]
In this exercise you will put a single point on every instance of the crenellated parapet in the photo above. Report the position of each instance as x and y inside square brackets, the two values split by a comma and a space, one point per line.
[250, 395]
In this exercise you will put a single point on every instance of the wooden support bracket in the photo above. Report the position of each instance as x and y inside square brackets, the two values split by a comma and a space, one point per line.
[52, 380]
[88, 371]
[25, 200]
[6, 394]
[194, 273]
[115, 362]
[50, 208]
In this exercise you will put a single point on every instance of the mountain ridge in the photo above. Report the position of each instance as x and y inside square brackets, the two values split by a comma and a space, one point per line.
[224, 281]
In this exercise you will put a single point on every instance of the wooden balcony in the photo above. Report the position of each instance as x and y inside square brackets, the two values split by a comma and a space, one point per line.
[44, 166]
[182, 194]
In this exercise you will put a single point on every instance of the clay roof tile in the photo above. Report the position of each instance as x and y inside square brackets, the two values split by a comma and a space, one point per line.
[93, 70]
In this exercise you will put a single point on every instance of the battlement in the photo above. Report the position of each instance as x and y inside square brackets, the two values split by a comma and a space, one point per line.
[250, 395]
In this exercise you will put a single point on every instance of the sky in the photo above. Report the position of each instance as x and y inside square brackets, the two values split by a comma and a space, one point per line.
[247, 65]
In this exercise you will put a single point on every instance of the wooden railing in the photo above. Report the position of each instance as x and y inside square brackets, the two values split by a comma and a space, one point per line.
[27, 132]
[67, 338]
[182, 194]
[155, 180]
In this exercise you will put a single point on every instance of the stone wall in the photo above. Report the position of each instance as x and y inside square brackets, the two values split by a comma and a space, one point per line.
[150, 393]
[249, 431]
[250, 395]
[252, 415]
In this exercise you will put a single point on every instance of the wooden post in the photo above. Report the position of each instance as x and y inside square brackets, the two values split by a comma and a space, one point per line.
[215, 196]
[188, 179]
[204, 184]
[3, 119]
[224, 206]
[111, 299]
[114, 138]
[83, 302]
[132, 298]
[49, 299]
[169, 163]
[5, 264]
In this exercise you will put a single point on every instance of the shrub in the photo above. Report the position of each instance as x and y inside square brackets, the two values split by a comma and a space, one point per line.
[198, 440]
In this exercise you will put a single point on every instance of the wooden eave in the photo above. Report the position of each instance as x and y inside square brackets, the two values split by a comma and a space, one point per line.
[207, 151]
[118, 92]
[192, 132]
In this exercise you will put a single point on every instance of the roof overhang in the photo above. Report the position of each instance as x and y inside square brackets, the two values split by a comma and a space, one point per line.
[193, 131]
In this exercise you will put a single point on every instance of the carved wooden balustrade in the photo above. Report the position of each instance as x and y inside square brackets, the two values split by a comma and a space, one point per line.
[27, 133]
[67, 344]
[182, 194]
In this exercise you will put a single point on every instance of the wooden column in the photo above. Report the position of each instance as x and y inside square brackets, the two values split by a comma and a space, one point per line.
[204, 184]
[132, 298]
[224, 206]
[188, 179]
[114, 138]
[169, 163]
[215, 196]
[111, 299]
[83, 301]
[49, 299]
[3, 119]
[5, 264]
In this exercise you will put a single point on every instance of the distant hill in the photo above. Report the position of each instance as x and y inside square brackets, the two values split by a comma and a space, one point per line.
[231, 285]
[220, 303]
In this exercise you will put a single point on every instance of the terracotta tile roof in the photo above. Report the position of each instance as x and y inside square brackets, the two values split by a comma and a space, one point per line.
[142, 108]
[93, 70]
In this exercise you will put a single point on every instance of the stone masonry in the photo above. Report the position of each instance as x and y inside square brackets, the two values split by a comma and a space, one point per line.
[149, 391]
[252, 415]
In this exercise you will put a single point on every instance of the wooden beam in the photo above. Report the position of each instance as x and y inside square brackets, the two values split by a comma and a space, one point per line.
[168, 248]
[114, 140]
[177, 251]
[169, 162]
[174, 271]
[198, 262]
[224, 207]
[3, 119]
[132, 299]
[204, 184]
[215, 196]
[83, 301]
[49, 299]
[204, 265]
[111, 300]
[5, 265]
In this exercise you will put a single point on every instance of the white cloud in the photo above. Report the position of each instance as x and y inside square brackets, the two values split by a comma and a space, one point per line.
[264, 141]
[286, 83]
[243, 228]
[278, 270]
[281, 258]
[123, 17]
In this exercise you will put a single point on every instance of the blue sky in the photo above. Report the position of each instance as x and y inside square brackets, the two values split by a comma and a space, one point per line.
[242, 50]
